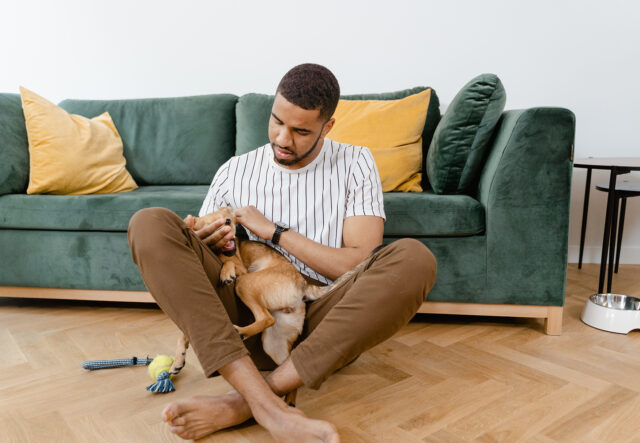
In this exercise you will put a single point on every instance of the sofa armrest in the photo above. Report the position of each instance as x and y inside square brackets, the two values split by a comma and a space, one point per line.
[525, 188]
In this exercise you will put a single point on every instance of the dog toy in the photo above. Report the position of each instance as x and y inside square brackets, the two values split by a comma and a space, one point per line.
[121, 363]
[158, 370]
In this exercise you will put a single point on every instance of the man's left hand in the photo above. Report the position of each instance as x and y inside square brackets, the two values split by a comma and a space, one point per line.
[256, 222]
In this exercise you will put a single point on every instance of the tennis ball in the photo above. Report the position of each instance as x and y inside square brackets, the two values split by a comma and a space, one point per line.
[159, 364]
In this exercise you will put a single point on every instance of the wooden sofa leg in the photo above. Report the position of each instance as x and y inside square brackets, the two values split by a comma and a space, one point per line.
[553, 322]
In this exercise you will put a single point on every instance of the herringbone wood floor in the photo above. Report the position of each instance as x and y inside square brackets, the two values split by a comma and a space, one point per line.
[441, 378]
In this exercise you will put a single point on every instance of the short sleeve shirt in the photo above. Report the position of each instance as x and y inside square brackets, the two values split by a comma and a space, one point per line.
[342, 181]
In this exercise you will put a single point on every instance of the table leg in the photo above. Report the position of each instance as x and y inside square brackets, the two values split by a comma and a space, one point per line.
[607, 228]
[623, 209]
[585, 210]
[612, 243]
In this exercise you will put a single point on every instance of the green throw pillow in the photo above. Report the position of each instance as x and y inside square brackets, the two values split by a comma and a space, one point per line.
[14, 146]
[459, 145]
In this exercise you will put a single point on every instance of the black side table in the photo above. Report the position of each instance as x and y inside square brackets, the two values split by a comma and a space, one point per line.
[624, 190]
[616, 166]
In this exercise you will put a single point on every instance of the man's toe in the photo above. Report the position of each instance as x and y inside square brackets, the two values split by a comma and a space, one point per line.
[178, 421]
[178, 430]
[171, 412]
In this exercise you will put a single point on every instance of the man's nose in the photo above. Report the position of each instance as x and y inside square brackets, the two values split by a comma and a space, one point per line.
[283, 138]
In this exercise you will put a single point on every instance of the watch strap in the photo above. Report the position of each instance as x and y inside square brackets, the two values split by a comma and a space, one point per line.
[276, 235]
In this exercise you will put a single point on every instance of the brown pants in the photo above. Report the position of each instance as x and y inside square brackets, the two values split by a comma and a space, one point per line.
[182, 274]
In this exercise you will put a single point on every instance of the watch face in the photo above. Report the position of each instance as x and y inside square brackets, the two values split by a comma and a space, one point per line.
[283, 226]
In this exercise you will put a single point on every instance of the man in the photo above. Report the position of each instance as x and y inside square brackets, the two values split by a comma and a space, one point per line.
[319, 203]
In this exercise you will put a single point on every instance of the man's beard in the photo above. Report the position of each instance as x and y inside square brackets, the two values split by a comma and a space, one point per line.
[294, 160]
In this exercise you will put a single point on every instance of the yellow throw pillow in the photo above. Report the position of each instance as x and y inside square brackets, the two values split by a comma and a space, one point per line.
[392, 130]
[71, 154]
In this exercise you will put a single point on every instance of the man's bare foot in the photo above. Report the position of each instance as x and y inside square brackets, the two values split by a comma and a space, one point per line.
[199, 416]
[287, 424]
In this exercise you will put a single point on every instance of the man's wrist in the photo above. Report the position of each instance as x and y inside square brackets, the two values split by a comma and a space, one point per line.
[279, 229]
[272, 232]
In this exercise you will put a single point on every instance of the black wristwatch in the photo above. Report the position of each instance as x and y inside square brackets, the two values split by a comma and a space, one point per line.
[280, 228]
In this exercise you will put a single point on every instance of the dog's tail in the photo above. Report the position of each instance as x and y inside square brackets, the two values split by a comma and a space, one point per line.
[314, 292]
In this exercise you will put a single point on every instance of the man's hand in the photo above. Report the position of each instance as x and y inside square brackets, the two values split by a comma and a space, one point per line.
[256, 222]
[215, 235]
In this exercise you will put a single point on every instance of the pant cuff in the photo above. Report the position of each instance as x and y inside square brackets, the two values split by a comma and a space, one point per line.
[210, 369]
[311, 375]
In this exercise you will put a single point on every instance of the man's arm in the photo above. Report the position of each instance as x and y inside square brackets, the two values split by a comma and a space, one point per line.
[360, 235]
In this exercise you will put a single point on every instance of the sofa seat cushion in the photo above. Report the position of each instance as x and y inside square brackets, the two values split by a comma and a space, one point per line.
[98, 212]
[423, 214]
[427, 214]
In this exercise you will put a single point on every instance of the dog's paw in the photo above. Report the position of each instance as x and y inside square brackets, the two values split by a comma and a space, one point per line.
[228, 280]
[242, 336]
[176, 371]
[177, 366]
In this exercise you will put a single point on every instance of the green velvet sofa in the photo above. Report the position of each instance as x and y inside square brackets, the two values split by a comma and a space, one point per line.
[501, 248]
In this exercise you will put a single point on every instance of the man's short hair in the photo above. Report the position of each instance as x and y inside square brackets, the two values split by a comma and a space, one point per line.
[311, 86]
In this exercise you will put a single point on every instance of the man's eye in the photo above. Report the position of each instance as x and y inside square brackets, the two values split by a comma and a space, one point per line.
[303, 132]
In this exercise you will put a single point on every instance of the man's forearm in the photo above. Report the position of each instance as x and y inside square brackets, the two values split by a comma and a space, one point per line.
[360, 234]
[328, 261]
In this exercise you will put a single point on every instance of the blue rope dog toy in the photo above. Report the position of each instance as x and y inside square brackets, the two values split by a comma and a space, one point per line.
[121, 363]
[158, 370]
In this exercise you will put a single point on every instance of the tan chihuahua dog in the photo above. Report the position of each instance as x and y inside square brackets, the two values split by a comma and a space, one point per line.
[267, 283]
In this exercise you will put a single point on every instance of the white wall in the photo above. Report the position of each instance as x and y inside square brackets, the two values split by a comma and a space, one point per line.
[574, 54]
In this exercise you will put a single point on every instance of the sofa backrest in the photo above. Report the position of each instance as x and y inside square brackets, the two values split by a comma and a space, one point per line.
[254, 110]
[170, 141]
[173, 141]
[14, 146]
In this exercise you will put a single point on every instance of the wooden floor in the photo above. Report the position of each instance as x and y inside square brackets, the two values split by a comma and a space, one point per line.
[441, 378]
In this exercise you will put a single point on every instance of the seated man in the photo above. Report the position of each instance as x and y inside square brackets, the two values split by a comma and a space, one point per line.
[319, 203]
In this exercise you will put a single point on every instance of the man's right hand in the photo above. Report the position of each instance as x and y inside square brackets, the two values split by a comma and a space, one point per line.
[215, 235]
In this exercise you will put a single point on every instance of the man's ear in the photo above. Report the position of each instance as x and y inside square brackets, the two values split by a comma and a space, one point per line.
[327, 127]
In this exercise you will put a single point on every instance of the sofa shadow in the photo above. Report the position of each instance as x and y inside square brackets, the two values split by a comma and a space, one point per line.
[533, 323]
[47, 303]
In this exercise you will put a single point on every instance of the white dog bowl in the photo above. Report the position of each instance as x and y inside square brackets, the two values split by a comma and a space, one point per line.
[612, 312]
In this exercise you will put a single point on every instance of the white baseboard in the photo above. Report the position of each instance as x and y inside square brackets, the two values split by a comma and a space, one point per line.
[592, 254]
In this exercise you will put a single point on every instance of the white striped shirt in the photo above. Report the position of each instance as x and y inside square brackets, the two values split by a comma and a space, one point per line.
[342, 181]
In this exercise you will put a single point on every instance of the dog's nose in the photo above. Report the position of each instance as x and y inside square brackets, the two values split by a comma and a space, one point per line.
[228, 222]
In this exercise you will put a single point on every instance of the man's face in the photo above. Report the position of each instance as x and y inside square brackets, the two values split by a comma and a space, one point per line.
[296, 134]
